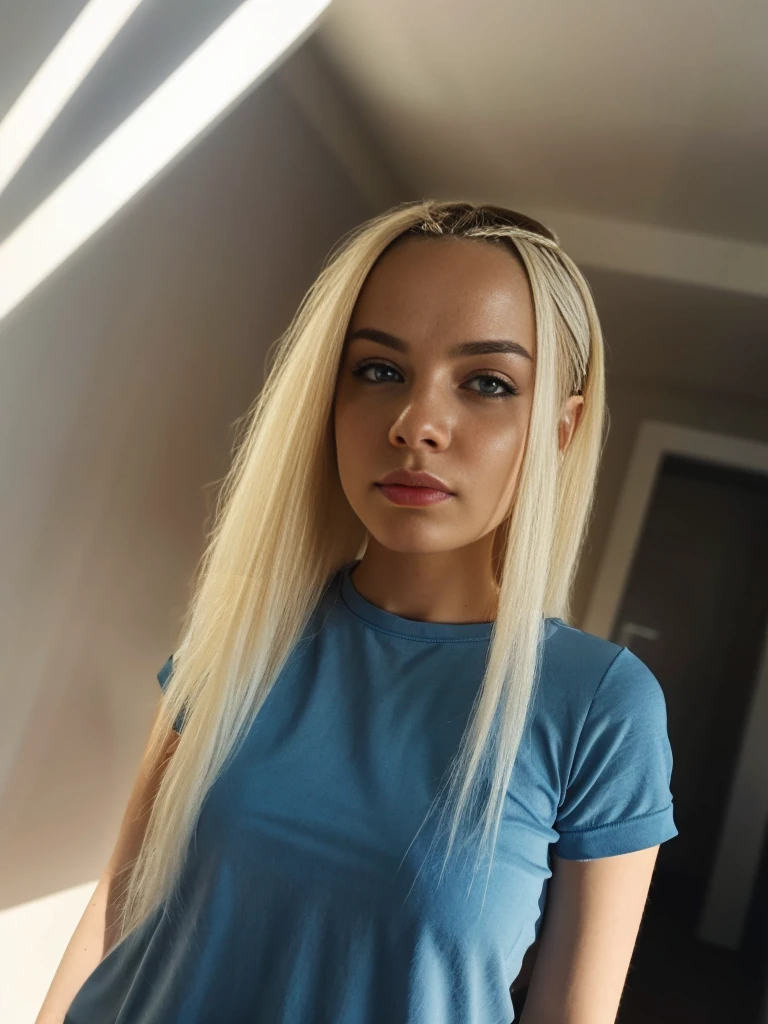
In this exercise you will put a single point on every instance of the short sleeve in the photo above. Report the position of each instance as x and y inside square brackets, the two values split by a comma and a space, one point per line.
[618, 796]
[164, 676]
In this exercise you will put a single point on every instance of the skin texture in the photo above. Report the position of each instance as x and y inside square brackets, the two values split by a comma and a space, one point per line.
[591, 920]
[426, 409]
[423, 408]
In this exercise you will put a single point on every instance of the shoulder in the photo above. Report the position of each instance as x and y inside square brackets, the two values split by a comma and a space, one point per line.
[574, 664]
[599, 699]
[591, 667]
[564, 640]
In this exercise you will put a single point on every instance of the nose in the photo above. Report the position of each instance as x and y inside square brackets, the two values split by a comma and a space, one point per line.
[420, 423]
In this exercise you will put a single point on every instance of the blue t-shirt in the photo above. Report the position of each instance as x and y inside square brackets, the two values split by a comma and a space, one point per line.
[303, 898]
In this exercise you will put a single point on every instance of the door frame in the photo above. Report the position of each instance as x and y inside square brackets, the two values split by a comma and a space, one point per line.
[734, 872]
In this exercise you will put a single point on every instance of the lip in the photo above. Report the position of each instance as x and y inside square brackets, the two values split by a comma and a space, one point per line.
[399, 494]
[413, 488]
[414, 478]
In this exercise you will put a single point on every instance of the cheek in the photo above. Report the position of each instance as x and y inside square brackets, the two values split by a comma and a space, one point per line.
[493, 456]
[355, 433]
[497, 443]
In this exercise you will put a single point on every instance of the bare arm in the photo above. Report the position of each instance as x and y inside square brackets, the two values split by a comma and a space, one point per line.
[588, 934]
[96, 931]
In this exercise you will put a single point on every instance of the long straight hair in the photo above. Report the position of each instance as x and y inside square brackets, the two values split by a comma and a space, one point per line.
[273, 547]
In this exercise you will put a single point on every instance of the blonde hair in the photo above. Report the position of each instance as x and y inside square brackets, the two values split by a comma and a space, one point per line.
[273, 546]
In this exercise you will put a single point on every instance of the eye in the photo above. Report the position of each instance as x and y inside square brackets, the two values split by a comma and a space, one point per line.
[360, 370]
[507, 388]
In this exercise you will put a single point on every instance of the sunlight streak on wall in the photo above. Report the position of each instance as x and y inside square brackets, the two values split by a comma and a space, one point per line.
[198, 92]
[57, 80]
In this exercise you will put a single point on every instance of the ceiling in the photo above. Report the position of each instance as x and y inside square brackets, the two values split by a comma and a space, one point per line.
[654, 112]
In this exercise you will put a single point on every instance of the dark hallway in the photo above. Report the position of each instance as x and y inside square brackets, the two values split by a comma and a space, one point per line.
[676, 979]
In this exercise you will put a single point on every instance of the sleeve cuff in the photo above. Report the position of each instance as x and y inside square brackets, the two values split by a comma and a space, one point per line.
[619, 837]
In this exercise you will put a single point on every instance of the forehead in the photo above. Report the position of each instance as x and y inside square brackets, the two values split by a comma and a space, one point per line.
[461, 286]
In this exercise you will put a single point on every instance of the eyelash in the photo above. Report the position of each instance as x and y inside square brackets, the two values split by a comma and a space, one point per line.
[509, 392]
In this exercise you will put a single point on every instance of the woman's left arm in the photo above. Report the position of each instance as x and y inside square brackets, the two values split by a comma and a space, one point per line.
[593, 914]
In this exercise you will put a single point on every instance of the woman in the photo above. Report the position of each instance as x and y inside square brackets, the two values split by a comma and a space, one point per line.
[386, 737]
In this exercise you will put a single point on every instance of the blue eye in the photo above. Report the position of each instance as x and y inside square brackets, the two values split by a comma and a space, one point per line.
[360, 370]
[507, 391]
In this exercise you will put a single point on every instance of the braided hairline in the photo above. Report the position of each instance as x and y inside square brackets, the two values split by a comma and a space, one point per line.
[500, 231]
[513, 232]
[467, 219]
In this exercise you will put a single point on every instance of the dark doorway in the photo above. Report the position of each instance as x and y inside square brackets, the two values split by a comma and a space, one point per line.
[695, 611]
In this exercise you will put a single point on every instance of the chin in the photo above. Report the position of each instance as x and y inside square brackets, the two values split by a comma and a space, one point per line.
[412, 538]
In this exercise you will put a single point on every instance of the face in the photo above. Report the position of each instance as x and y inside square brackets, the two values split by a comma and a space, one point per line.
[407, 397]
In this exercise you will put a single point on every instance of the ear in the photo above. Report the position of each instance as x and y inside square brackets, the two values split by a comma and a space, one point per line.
[572, 410]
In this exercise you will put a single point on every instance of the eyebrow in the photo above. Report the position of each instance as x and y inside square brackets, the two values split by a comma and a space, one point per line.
[463, 348]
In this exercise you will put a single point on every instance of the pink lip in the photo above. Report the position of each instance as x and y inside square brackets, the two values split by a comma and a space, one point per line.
[415, 478]
[401, 494]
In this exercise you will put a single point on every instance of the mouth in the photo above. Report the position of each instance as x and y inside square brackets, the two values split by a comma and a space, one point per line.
[404, 494]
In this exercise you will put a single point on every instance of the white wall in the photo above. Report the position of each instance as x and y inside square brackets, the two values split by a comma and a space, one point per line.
[119, 382]
[33, 937]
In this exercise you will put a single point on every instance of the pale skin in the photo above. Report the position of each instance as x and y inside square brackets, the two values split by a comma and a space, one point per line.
[405, 400]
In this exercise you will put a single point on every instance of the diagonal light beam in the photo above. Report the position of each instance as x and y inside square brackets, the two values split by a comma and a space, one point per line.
[188, 101]
[58, 79]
